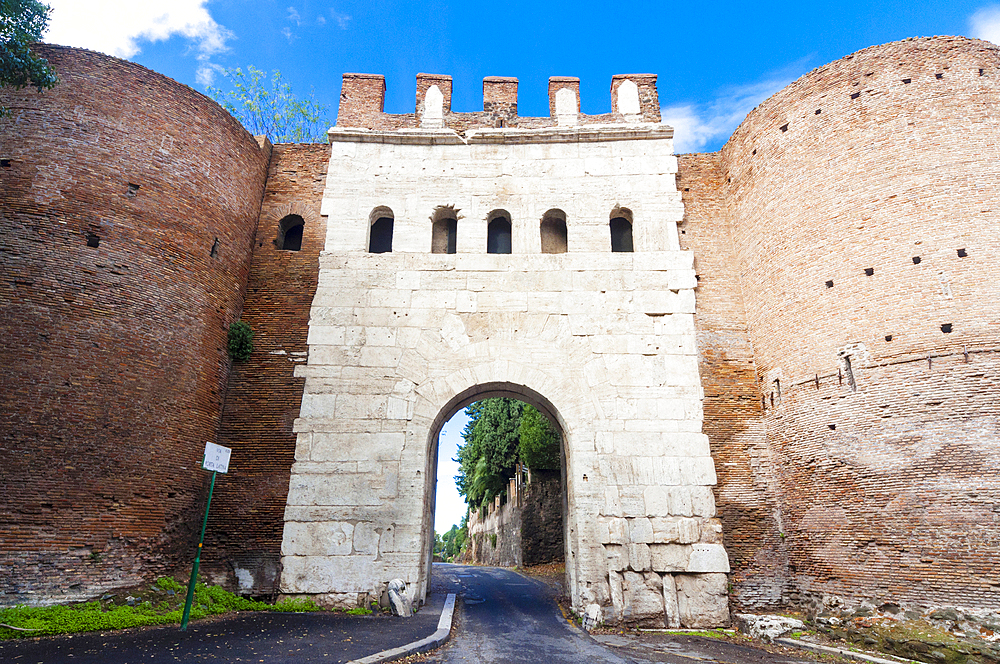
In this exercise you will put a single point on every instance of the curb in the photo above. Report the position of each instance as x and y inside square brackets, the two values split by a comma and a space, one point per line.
[433, 641]
[850, 654]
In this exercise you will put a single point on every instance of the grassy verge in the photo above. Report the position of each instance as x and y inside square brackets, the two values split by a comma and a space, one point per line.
[161, 604]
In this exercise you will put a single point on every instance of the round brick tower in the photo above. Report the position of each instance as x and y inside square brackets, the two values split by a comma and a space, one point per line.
[864, 206]
[126, 227]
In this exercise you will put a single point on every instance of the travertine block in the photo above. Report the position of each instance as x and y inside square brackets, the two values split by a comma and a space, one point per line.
[670, 557]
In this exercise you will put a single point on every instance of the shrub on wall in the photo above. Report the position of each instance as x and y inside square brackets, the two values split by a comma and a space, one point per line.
[240, 341]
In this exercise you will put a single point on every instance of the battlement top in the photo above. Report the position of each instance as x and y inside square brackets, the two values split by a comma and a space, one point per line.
[634, 99]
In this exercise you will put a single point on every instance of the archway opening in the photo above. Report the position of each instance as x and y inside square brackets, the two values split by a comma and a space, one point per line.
[380, 231]
[498, 233]
[290, 233]
[444, 231]
[621, 229]
[553, 232]
[499, 456]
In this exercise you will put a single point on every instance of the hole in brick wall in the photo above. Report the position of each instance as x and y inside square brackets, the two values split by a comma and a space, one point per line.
[961, 253]
[829, 284]
[982, 71]
[729, 179]
[697, 277]
[772, 399]
[215, 248]
[687, 188]
[784, 127]
[869, 271]
[907, 81]
[93, 240]
[290, 233]
[818, 111]
[855, 95]
[832, 426]
[133, 189]
[946, 328]
[754, 151]
[171, 494]
[916, 260]
[888, 337]
[4, 163]
[939, 76]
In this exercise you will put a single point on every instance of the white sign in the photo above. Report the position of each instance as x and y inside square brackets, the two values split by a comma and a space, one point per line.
[216, 458]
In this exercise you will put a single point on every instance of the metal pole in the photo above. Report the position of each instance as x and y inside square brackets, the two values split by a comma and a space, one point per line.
[197, 560]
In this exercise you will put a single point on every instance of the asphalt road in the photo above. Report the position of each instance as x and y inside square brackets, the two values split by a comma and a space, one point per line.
[505, 617]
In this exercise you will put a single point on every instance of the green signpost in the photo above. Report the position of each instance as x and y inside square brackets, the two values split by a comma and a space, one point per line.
[216, 460]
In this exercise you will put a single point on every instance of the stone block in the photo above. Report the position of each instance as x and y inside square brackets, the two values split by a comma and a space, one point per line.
[618, 531]
[317, 538]
[702, 501]
[665, 530]
[671, 612]
[325, 574]
[366, 537]
[703, 600]
[638, 557]
[643, 598]
[669, 557]
[617, 557]
[641, 530]
[708, 558]
[688, 531]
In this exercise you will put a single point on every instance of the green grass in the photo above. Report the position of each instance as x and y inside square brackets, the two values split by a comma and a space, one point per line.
[157, 607]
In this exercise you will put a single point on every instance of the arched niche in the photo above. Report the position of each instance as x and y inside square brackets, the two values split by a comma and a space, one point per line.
[290, 233]
[380, 223]
[498, 232]
[444, 231]
[553, 232]
[621, 230]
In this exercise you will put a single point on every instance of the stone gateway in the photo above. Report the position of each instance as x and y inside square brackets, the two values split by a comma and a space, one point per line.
[774, 368]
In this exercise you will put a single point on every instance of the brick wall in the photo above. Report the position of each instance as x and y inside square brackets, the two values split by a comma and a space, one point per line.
[114, 356]
[862, 201]
[746, 494]
[264, 396]
[363, 98]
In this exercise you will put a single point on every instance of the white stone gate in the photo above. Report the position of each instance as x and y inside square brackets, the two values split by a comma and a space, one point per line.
[603, 342]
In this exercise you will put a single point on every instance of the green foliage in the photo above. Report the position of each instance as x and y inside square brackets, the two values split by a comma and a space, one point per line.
[493, 539]
[358, 611]
[454, 540]
[272, 110]
[539, 441]
[92, 616]
[240, 341]
[500, 433]
[168, 583]
[489, 456]
[22, 23]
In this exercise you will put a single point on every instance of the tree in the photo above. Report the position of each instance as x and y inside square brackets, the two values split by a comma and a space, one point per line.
[539, 441]
[489, 456]
[272, 110]
[22, 23]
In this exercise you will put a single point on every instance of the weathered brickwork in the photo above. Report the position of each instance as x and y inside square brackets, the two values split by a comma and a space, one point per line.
[746, 493]
[842, 312]
[114, 363]
[862, 201]
[263, 397]
[362, 101]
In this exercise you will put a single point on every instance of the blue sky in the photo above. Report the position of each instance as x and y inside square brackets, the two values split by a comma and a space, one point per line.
[715, 61]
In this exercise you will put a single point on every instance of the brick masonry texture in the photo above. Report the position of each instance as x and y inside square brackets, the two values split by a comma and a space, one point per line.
[114, 356]
[846, 317]
[887, 438]
[263, 398]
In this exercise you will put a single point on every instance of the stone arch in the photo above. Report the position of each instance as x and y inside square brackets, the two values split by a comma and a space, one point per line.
[290, 233]
[380, 223]
[553, 232]
[500, 379]
[283, 217]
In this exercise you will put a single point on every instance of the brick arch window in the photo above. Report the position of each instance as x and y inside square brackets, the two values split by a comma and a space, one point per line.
[621, 229]
[290, 233]
[498, 239]
[553, 232]
[380, 223]
[444, 232]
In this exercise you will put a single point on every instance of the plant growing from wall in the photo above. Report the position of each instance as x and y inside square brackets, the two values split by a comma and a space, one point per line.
[240, 341]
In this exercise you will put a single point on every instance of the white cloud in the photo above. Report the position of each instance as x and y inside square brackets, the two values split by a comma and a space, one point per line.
[288, 34]
[985, 24]
[343, 20]
[697, 125]
[320, 20]
[117, 27]
[294, 16]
